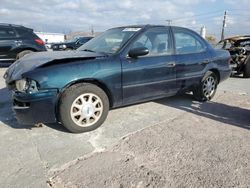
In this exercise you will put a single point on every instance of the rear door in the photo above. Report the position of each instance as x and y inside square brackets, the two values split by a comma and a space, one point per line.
[153, 75]
[27, 39]
[8, 39]
[191, 55]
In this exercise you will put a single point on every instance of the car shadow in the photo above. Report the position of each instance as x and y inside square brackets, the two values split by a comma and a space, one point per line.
[220, 112]
[238, 76]
[7, 115]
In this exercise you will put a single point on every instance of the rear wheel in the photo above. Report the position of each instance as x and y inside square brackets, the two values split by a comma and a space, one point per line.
[246, 72]
[207, 88]
[83, 107]
[68, 49]
[23, 53]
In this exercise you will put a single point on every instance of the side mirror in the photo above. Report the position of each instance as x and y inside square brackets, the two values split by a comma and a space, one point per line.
[139, 51]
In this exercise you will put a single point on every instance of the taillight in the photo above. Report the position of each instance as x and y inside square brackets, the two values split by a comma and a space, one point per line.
[230, 61]
[39, 41]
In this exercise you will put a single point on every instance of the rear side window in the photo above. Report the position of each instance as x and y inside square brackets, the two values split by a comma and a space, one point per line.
[6, 32]
[187, 43]
[156, 40]
[83, 40]
[245, 43]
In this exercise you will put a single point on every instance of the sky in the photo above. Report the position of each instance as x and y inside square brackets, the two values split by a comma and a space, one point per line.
[65, 16]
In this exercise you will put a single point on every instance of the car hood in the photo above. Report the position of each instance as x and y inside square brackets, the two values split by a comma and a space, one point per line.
[63, 43]
[38, 59]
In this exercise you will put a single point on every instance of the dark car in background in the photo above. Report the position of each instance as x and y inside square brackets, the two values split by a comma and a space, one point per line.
[239, 48]
[17, 41]
[122, 66]
[70, 44]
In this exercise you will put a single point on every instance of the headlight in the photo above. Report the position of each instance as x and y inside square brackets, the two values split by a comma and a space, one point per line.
[21, 85]
[63, 46]
[26, 85]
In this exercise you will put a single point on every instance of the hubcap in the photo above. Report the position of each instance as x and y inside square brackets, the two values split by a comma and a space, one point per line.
[86, 109]
[209, 86]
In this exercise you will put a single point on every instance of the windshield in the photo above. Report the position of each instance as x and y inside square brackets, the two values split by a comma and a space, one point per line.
[220, 45]
[72, 40]
[110, 41]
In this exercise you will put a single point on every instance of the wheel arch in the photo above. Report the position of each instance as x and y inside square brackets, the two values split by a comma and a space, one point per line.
[216, 72]
[69, 47]
[19, 51]
[26, 48]
[86, 80]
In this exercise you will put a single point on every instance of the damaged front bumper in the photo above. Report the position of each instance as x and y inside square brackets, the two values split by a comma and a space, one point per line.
[35, 108]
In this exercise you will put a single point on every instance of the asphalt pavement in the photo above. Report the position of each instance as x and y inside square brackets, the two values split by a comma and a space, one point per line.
[172, 142]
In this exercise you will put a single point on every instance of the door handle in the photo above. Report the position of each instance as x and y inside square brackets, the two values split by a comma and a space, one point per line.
[171, 65]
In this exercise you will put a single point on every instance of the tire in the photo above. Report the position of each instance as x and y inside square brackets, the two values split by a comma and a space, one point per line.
[206, 90]
[246, 73]
[83, 107]
[23, 53]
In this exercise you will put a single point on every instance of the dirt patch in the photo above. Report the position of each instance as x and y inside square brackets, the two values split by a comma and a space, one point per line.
[108, 169]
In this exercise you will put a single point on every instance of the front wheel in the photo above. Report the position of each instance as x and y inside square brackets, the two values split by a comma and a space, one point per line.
[68, 49]
[83, 107]
[207, 88]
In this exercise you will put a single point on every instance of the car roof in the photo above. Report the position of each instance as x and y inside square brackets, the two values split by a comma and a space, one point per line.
[238, 37]
[84, 37]
[152, 26]
[14, 25]
[141, 26]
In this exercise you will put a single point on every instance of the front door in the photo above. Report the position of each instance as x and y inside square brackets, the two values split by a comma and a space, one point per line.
[153, 75]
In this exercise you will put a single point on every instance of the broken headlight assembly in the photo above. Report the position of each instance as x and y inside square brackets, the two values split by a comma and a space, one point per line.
[26, 85]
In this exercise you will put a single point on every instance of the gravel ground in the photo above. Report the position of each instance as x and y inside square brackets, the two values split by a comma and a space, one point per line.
[172, 142]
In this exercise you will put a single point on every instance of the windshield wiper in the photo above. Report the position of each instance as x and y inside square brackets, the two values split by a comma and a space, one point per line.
[87, 50]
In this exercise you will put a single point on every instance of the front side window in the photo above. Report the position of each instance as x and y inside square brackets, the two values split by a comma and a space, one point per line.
[156, 40]
[7, 33]
[186, 43]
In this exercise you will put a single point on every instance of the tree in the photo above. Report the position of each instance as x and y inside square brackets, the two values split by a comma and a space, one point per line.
[211, 39]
